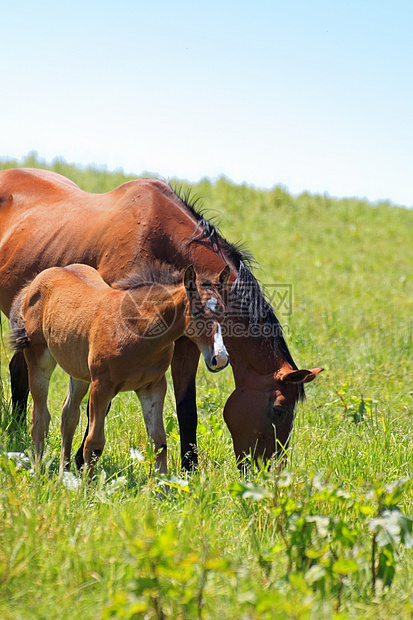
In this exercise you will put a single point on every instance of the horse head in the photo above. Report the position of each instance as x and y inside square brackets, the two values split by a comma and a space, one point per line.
[205, 313]
[261, 406]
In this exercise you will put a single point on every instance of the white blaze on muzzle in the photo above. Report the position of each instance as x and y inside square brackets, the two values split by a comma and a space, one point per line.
[220, 356]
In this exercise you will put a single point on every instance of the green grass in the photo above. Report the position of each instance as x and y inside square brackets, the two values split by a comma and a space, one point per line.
[296, 546]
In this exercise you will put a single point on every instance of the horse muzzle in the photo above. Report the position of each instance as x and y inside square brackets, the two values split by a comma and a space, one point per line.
[218, 361]
[219, 358]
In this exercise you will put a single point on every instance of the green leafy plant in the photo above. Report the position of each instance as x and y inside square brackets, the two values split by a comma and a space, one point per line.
[163, 579]
[355, 408]
[323, 529]
[391, 531]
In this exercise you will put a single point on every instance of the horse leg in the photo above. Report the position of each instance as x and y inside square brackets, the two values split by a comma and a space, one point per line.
[40, 365]
[79, 454]
[184, 366]
[70, 419]
[100, 396]
[19, 387]
[152, 400]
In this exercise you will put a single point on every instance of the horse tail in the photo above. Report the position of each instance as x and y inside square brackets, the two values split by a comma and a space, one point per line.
[18, 339]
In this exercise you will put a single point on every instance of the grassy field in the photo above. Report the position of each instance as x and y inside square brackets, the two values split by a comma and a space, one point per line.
[330, 537]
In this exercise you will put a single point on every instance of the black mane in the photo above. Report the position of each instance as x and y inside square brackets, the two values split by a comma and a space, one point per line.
[246, 292]
[208, 231]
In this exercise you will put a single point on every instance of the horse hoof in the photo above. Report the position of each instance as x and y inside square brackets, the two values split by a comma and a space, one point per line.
[79, 460]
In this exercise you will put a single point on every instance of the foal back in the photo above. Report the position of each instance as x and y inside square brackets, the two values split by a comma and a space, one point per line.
[62, 302]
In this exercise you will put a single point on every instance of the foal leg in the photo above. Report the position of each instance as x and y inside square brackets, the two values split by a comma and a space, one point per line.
[152, 400]
[100, 396]
[79, 460]
[41, 365]
[19, 387]
[70, 419]
[184, 367]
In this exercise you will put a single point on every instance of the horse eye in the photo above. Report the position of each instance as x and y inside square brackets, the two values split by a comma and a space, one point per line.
[196, 314]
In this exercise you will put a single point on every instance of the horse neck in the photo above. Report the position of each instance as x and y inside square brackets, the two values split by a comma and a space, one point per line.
[174, 310]
[249, 356]
[252, 357]
[169, 304]
[172, 242]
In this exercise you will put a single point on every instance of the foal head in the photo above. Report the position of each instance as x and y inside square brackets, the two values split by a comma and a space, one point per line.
[204, 314]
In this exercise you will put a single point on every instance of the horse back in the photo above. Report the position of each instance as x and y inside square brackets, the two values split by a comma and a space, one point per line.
[46, 221]
[17, 184]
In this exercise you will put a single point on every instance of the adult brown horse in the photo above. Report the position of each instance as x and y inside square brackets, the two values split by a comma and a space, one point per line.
[46, 220]
[114, 338]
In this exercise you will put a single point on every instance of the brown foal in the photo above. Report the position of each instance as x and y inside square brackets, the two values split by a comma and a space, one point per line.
[115, 339]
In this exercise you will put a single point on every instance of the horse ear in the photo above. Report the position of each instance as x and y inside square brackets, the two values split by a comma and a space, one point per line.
[223, 278]
[313, 373]
[298, 376]
[190, 279]
[295, 376]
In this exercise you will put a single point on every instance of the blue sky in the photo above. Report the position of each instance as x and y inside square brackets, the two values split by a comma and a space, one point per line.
[313, 95]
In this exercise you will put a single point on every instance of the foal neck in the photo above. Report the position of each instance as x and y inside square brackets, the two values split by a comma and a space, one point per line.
[161, 310]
